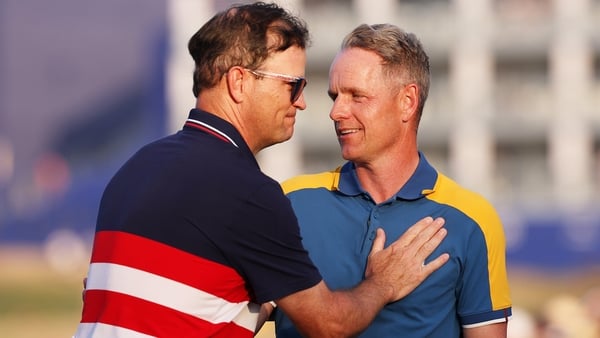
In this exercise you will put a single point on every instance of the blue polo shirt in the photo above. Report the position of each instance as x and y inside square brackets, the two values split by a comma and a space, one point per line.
[338, 222]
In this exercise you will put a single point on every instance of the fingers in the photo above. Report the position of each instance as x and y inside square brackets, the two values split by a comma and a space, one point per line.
[420, 234]
[416, 229]
[400, 266]
[435, 264]
[427, 244]
[428, 248]
[379, 242]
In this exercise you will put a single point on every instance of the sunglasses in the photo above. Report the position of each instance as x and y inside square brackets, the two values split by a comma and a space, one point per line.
[298, 83]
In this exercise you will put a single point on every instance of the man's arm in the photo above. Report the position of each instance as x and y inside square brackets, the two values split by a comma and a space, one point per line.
[391, 274]
[497, 330]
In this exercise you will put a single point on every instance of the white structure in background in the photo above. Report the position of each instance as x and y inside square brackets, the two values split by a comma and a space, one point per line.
[185, 17]
[471, 61]
[514, 105]
[571, 137]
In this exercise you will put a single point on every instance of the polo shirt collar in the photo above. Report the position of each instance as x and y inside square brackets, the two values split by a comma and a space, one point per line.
[212, 124]
[421, 183]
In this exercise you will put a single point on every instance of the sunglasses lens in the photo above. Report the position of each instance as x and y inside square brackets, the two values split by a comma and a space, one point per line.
[297, 89]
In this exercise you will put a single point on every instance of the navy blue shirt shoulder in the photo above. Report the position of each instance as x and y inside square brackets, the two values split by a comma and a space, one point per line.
[201, 190]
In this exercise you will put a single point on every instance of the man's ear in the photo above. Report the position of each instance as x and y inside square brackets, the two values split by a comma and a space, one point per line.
[409, 101]
[235, 83]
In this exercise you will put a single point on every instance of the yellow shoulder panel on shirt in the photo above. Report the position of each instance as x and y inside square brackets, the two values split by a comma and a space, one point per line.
[448, 192]
[328, 180]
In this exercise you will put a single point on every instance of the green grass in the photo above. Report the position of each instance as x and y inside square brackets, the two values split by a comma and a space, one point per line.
[37, 301]
[45, 296]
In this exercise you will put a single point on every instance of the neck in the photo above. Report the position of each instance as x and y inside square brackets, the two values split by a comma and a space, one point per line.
[383, 178]
[212, 102]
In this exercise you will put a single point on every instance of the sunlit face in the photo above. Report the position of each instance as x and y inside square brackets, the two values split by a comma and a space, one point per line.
[365, 107]
[272, 115]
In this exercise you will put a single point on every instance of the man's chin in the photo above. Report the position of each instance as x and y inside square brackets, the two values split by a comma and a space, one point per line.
[347, 154]
[283, 138]
[288, 134]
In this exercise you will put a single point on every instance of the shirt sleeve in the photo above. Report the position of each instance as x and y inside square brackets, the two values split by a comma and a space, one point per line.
[267, 247]
[484, 295]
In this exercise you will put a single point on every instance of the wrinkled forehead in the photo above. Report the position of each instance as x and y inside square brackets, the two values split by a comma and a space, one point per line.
[356, 60]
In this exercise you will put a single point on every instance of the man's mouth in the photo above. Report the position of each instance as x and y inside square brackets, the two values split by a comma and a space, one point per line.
[347, 131]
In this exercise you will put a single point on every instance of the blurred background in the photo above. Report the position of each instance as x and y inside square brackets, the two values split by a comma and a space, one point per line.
[513, 113]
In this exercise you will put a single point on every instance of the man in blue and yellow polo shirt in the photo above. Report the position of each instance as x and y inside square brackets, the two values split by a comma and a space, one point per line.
[379, 82]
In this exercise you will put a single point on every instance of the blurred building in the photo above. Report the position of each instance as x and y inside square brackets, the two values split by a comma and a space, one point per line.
[513, 110]
[81, 88]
